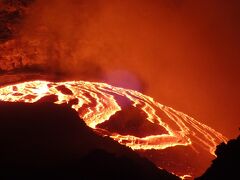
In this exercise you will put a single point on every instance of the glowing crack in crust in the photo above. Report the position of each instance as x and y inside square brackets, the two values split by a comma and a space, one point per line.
[100, 104]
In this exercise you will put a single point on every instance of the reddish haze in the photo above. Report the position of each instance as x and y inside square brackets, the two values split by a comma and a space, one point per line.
[186, 53]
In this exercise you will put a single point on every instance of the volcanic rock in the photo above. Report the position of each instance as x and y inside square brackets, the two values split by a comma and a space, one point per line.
[226, 165]
[48, 141]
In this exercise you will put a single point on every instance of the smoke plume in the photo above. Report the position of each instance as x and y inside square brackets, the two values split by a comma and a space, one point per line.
[183, 53]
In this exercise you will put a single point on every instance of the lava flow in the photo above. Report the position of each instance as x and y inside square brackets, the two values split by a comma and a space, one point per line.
[96, 103]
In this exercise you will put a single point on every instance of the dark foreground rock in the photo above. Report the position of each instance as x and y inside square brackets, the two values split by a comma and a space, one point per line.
[226, 165]
[47, 141]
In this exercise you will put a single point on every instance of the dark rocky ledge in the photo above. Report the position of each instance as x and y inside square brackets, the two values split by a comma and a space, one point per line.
[48, 141]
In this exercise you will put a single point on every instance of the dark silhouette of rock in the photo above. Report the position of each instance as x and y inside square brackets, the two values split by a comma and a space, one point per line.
[48, 141]
[226, 165]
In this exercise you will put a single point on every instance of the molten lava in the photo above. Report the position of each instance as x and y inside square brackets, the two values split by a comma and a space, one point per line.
[96, 103]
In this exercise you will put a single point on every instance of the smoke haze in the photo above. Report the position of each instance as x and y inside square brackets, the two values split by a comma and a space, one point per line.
[183, 53]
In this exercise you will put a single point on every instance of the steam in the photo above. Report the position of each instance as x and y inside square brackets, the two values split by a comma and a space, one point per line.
[183, 53]
[59, 29]
[93, 39]
[87, 39]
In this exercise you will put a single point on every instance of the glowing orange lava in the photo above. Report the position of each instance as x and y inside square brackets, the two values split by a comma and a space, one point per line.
[100, 104]
[96, 103]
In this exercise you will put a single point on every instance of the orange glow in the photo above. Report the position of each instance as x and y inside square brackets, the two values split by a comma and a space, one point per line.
[190, 131]
[185, 176]
[96, 103]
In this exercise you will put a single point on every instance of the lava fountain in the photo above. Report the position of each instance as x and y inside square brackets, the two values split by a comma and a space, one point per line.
[96, 103]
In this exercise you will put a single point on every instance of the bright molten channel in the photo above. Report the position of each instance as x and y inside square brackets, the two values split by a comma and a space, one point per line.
[95, 103]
